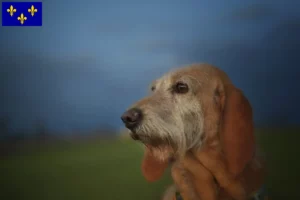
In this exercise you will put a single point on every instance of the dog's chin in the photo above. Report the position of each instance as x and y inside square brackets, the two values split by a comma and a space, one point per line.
[134, 136]
[163, 153]
[160, 148]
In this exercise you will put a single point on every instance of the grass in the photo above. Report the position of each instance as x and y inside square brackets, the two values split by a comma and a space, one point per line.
[111, 170]
[97, 170]
[282, 151]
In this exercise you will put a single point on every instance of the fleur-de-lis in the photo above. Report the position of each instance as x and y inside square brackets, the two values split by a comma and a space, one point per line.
[32, 10]
[11, 10]
[22, 18]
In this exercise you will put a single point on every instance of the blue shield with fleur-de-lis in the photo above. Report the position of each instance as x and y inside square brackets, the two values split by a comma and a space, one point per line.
[22, 13]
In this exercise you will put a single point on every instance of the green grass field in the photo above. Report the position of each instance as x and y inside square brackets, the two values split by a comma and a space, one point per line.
[111, 170]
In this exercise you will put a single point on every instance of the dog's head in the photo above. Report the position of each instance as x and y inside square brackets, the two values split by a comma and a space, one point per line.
[188, 108]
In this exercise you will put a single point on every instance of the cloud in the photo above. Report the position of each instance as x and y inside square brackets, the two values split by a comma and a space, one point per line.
[254, 12]
[58, 90]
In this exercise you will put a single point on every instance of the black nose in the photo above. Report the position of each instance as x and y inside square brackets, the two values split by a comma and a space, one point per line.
[132, 117]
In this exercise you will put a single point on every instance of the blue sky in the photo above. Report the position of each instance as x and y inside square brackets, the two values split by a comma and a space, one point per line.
[92, 59]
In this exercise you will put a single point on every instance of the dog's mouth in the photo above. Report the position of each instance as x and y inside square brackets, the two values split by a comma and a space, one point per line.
[151, 140]
[145, 139]
[134, 136]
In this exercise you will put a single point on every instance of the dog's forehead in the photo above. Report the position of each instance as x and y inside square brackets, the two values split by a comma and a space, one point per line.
[184, 74]
[204, 74]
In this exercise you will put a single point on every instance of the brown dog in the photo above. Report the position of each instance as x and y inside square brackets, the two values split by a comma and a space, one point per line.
[196, 117]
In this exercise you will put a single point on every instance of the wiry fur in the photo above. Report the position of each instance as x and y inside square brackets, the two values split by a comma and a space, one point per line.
[175, 123]
[176, 119]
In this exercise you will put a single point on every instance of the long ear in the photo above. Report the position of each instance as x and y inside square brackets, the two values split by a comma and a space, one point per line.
[237, 137]
[152, 168]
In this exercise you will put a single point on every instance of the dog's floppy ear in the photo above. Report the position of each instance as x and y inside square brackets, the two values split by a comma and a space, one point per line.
[152, 168]
[237, 136]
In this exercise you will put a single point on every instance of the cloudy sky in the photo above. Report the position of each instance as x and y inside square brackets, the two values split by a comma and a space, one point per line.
[91, 59]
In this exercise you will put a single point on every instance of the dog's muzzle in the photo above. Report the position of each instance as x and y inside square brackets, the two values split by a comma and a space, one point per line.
[132, 118]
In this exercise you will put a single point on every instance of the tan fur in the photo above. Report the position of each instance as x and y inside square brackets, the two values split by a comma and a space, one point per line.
[208, 131]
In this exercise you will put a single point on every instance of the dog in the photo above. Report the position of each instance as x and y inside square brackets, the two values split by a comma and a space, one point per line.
[198, 122]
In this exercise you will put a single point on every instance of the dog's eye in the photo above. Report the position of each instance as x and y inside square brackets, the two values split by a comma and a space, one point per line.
[152, 88]
[181, 88]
